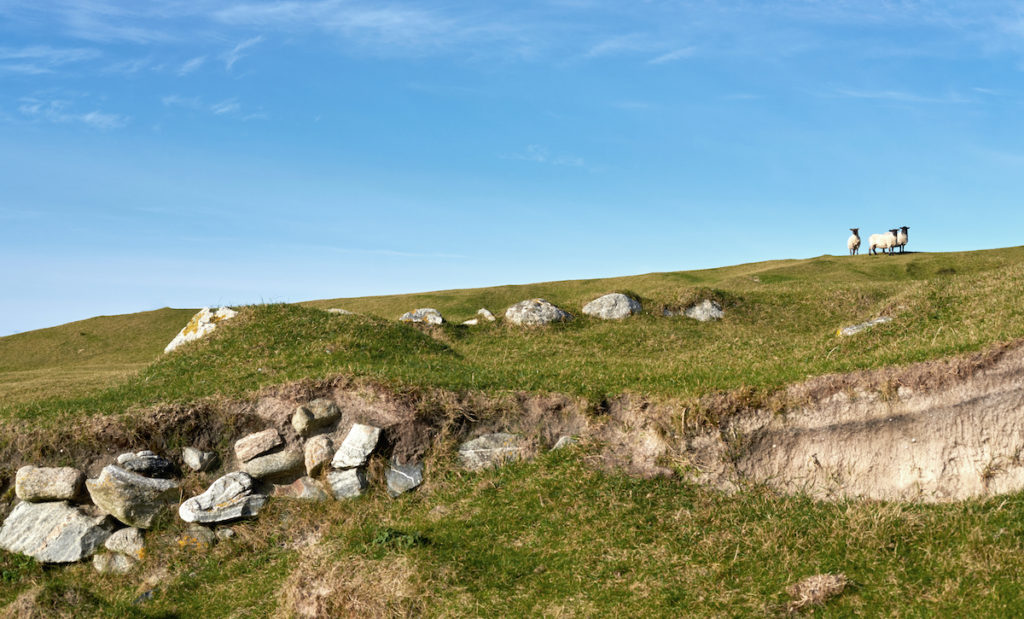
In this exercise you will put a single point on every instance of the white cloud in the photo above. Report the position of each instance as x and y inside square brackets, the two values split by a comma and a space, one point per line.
[60, 111]
[899, 96]
[192, 103]
[678, 54]
[37, 59]
[227, 106]
[233, 56]
[191, 65]
[539, 154]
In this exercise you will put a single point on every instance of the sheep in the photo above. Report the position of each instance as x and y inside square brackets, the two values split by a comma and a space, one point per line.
[882, 241]
[853, 243]
[901, 238]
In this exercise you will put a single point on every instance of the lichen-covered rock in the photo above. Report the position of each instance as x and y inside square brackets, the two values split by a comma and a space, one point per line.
[404, 477]
[231, 497]
[204, 322]
[147, 464]
[131, 498]
[197, 459]
[357, 447]
[128, 542]
[277, 464]
[347, 484]
[197, 537]
[490, 450]
[705, 311]
[54, 532]
[33, 483]
[315, 415]
[615, 306]
[256, 444]
[855, 329]
[425, 315]
[303, 488]
[535, 312]
[113, 563]
[318, 453]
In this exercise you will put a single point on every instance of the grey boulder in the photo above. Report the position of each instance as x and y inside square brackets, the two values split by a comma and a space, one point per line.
[490, 450]
[424, 315]
[357, 447]
[535, 312]
[315, 415]
[229, 498]
[404, 477]
[126, 541]
[33, 483]
[347, 484]
[131, 498]
[615, 306]
[53, 532]
[705, 311]
[147, 464]
[277, 464]
[197, 459]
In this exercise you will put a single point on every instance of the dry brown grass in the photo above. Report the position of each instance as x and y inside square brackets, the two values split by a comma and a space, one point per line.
[815, 591]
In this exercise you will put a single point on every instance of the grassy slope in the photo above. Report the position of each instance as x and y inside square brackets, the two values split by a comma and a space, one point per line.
[555, 536]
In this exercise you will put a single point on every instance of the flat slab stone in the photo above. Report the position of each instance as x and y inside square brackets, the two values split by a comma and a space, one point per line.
[315, 415]
[615, 306]
[147, 464]
[33, 483]
[198, 460]
[705, 311]
[425, 315]
[204, 322]
[855, 329]
[229, 498]
[404, 477]
[131, 498]
[535, 312]
[256, 444]
[347, 484]
[53, 532]
[276, 464]
[357, 447]
[490, 450]
[318, 452]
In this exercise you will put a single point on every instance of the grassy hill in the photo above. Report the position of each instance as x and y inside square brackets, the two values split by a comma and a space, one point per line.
[553, 536]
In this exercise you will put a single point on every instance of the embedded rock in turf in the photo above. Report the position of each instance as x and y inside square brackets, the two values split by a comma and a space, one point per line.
[131, 498]
[113, 563]
[318, 453]
[198, 460]
[205, 321]
[53, 532]
[126, 541]
[315, 415]
[303, 488]
[705, 311]
[404, 477]
[490, 450]
[277, 464]
[257, 444]
[33, 483]
[613, 306]
[855, 329]
[347, 484]
[425, 315]
[357, 447]
[535, 312]
[147, 464]
[229, 498]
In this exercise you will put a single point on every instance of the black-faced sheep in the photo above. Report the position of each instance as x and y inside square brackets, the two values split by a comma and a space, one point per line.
[853, 243]
[882, 241]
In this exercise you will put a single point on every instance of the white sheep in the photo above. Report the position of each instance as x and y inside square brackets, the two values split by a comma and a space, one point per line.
[902, 238]
[882, 241]
[853, 243]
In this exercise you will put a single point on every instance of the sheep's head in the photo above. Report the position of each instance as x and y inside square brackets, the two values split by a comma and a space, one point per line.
[855, 230]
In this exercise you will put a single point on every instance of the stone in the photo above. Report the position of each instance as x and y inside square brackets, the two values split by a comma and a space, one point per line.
[855, 329]
[304, 488]
[318, 453]
[198, 460]
[113, 563]
[229, 498]
[127, 542]
[54, 532]
[315, 415]
[256, 444]
[425, 315]
[277, 464]
[484, 313]
[535, 312]
[338, 310]
[347, 484]
[204, 322]
[225, 533]
[705, 311]
[565, 441]
[490, 450]
[197, 537]
[357, 447]
[147, 464]
[131, 498]
[404, 477]
[615, 306]
[33, 483]
[472, 322]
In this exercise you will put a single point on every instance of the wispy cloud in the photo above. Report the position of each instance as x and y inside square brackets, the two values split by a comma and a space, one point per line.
[539, 154]
[191, 65]
[235, 54]
[61, 111]
[132, 67]
[38, 59]
[622, 44]
[679, 54]
[192, 103]
[898, 96]
[227, 106]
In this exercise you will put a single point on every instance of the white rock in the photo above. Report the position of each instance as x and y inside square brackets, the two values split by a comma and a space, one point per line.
[705, 311]
[198, 460]
[257, 444]
[33, 483]
[338, 310]
[53, 532]
[613, 306]
[314, 415]
[490, 450]
[533, 312]
[347, 484]
[204, 322]
[229, 498]
[472, 322]
[126, 541]
[113, 563]
[854, 329]
[484, 313]
[131, 498]
[427, 315]
[357, 447]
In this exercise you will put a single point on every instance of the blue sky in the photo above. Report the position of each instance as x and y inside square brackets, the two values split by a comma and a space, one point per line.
[187, 153]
